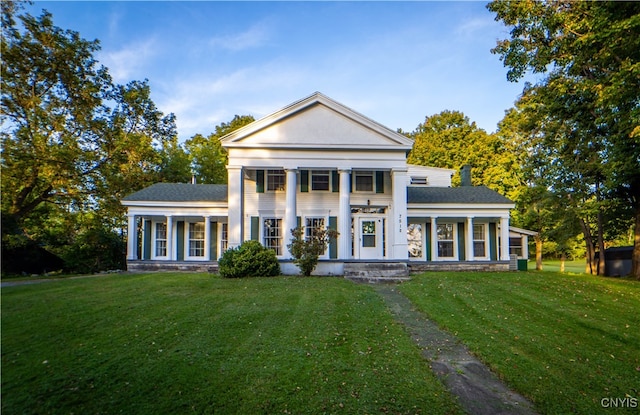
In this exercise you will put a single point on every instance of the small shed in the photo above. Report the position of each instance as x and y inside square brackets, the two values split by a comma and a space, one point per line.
[618, 261]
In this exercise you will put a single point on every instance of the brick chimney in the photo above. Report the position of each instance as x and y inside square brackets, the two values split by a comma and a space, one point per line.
[465, 175]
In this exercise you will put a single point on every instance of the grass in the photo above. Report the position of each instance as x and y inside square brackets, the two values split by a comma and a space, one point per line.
[179, 343]
[564, 341]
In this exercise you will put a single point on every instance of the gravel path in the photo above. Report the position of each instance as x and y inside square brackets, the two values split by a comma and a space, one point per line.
[478, 390]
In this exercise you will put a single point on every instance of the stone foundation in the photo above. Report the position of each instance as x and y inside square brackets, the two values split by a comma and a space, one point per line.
[486, 266]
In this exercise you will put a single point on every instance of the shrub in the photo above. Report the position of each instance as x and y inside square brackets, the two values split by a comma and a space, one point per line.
[250, 259]
[307, 249]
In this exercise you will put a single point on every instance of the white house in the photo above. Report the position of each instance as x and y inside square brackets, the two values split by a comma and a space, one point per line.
[318, 163]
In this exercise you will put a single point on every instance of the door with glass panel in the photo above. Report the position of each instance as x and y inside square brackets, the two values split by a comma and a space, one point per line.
[370, 238]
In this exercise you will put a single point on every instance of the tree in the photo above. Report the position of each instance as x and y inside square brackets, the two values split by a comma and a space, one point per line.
[71, 138]
[451, 140]
[208, 157]
[306, 249]
[589, 102]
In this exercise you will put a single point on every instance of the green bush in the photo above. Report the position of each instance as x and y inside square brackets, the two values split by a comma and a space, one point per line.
[250, 259]
[307, 249]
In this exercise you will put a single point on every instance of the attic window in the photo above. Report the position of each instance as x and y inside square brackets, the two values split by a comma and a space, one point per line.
[419, 180]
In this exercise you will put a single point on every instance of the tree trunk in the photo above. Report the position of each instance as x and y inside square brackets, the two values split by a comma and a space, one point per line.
[563, 258]
[538, 240]
[635, 267]
[591, 252]
[601, 257]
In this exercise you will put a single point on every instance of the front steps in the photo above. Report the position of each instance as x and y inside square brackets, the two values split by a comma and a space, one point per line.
[376, 272]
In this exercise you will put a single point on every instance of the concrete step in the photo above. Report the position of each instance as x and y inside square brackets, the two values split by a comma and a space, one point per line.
[376, 272]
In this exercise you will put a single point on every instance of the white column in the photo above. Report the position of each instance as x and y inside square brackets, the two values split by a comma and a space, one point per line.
[344, 216]
[400, 249]
[434, 238]
[469, 240]
[170, 254]
[207, 239]
[525, 246]
[290, 218]
[132, 238]
[235, 206]
[504, 238]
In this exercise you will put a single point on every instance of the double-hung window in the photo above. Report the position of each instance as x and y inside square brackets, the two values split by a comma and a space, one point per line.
[196, 239]
[275, 180]
[224, 237]
[272, 234]
[161, 239]
[445, 240]
[364, 180]
[312, 227]
[414, 240]
[479, 241]
[320, 179]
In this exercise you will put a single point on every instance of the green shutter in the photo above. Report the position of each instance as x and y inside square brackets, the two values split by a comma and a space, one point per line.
[213, 244]
[379, 182]
[333, 243]
[255, 228]
[304, 180]
[335, 181]
[146, 254]
[180, 232]
[298, 221]
[259, 181]
[461, 240]
[492, 242]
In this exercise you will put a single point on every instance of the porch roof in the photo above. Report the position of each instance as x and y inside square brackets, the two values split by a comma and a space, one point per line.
[461, 195]
[180, 192]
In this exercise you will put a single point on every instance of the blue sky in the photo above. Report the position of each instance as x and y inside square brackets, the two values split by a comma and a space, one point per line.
[395, 62]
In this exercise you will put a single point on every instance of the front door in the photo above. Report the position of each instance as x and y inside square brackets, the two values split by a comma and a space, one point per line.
[370, 238]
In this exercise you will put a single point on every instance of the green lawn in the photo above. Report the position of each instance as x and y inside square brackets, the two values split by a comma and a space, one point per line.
[179, 343]
[564, 341]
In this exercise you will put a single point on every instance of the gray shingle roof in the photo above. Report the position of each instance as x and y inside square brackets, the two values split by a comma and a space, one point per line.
[180, 192]
[463, 194]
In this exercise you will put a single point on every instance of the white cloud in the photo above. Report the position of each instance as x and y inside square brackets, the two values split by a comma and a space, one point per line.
[254, 37]
[125, 63]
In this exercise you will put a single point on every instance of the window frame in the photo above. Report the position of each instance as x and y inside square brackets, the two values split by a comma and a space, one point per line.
[453, 241]
[364, 173]
[279, 238]
[156, 240]
[325, 221]
[224, 238]
[419, 242]
[483, 240]
[272, 185]
[320, 173]
[191, 243]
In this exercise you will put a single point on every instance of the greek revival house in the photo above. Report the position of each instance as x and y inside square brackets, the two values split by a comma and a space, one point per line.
[318, 163]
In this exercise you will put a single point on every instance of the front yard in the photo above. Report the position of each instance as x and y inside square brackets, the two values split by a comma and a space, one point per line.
[175, 343]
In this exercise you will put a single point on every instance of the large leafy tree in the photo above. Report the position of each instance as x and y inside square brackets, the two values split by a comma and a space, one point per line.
[588, 103]
[208, 157]
[72, 140]
[450, 140]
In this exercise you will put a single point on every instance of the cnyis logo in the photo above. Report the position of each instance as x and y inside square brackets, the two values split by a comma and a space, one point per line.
[626, 402]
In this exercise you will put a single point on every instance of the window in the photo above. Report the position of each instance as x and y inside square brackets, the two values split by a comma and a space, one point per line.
[364, 181]
[320, 179]
[224, 237]
[479, 241]
[515, 246]
[272, 234]
[415, 180]
[414, 240]
[275, 180]
[196, 239]
[161, 239]
[445, 240]
[313, 225]
[368, 233]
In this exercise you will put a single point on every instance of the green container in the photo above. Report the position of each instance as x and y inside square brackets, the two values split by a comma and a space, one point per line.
[523, 264]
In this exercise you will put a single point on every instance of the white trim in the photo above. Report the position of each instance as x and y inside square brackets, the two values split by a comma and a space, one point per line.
[154, 240]
[485, 232]
[187, 241]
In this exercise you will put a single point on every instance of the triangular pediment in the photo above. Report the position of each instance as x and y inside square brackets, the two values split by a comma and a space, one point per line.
[317, 122]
